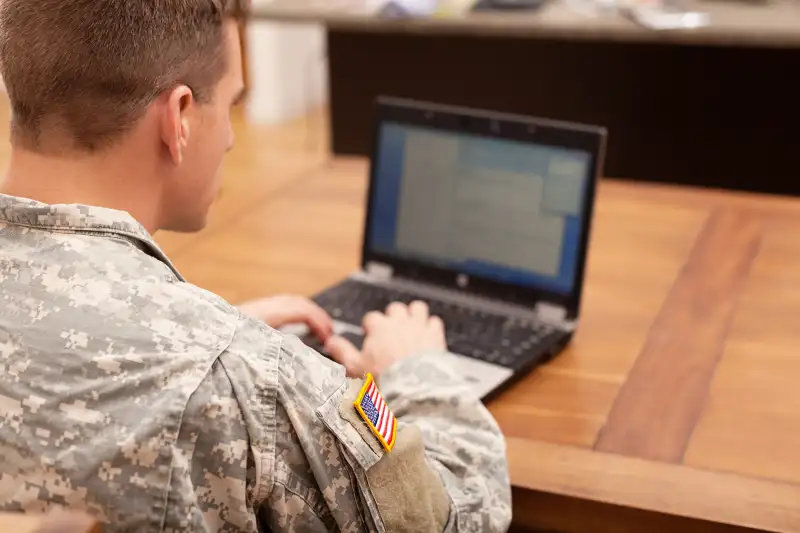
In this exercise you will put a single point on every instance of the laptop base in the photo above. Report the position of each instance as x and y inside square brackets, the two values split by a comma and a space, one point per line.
[487, 370]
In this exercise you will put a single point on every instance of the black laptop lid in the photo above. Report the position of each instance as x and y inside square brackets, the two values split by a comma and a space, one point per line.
[492, 204]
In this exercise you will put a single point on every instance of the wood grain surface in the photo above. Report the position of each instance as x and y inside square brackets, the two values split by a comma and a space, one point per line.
[56, 521]
[677, 397]
[657, 409]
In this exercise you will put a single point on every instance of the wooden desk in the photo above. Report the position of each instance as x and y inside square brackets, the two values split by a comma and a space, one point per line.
[56, 521]
[678, 397]
[678, 104]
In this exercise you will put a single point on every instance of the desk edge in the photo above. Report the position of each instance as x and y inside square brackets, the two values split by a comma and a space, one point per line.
[654, 486]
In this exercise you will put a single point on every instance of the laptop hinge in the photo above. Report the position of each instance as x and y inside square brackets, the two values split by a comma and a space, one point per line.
[553, 314]
[379, 271]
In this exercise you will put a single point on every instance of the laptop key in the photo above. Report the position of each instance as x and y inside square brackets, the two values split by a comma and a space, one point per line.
[313, 342]
[493, 356]
[507, 359]
[493, 338]
[355, 338]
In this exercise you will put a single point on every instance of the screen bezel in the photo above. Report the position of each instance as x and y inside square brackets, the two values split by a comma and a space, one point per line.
[494, 126]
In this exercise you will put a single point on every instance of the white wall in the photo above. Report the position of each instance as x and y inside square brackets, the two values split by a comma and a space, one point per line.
[287, 70]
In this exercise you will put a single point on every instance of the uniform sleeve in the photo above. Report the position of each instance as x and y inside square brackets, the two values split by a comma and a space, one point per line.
[446, 471]
[462, 440]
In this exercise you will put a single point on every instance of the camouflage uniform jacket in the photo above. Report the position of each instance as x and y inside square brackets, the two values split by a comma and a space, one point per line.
[158, 407]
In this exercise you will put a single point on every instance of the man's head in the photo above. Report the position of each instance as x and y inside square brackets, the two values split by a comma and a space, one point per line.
[90, 78]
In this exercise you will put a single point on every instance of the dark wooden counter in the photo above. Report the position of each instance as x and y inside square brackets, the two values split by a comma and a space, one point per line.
[712, 107]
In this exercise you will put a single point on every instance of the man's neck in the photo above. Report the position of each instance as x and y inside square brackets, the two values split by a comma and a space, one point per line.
[102, 181]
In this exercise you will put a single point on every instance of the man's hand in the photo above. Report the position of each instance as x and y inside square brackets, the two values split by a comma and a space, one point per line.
[280, 311]
[404, 331]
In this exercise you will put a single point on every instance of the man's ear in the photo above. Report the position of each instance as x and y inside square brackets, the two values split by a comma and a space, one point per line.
[175, 130]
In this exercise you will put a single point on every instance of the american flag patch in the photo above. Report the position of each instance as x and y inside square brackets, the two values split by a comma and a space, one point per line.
[376, 413]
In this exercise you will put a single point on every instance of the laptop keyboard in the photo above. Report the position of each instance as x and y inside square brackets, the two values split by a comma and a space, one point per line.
[487, 336]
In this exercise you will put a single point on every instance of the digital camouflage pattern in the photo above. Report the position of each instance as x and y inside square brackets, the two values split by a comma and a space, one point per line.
[157, 406]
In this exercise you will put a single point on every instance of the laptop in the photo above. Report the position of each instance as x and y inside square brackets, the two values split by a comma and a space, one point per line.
[486, 217]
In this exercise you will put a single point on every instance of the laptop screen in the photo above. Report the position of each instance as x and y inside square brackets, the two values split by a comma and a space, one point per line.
[504, 210]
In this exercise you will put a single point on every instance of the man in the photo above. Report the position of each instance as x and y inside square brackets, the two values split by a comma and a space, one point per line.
[153, 405]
